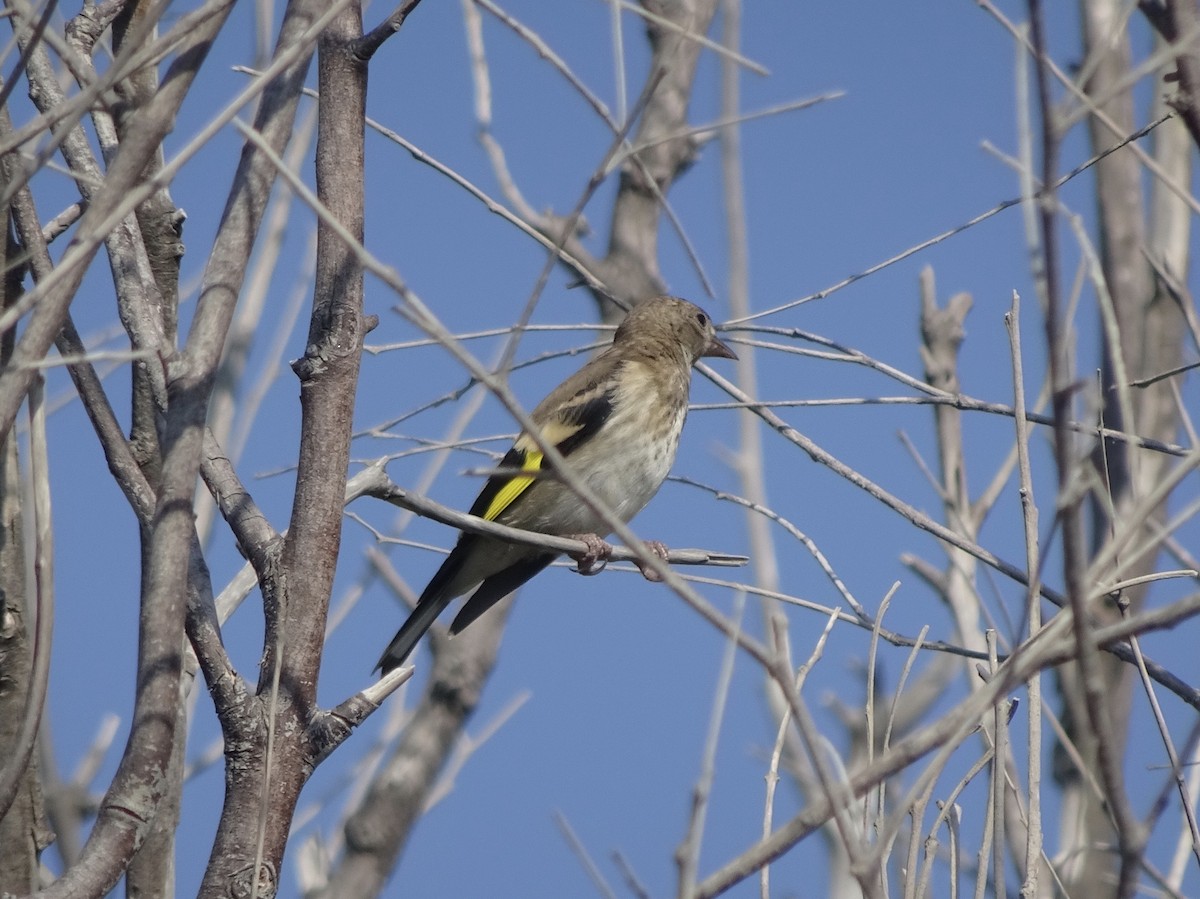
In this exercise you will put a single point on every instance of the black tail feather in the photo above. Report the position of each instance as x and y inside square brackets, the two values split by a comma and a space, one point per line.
[421, 619]
[431, 604]
[498, 586]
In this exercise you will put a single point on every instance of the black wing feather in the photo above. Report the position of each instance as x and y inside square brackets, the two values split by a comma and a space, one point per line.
[513, 459]
[589, 415]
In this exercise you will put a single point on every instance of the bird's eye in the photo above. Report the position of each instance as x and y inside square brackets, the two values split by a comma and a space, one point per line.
[703, 319]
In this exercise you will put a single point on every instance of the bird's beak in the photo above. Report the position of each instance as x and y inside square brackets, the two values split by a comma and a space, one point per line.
[720, 349]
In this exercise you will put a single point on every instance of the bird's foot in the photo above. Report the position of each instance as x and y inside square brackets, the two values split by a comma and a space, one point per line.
[596, 558]
[659, 549]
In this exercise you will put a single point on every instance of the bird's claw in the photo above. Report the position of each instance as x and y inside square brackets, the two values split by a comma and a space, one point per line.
[596, 558]
[659, 549]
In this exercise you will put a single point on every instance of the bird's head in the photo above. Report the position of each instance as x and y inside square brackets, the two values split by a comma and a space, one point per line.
[671, 321]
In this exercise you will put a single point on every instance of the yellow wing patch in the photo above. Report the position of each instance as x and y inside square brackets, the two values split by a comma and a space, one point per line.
[515, 487]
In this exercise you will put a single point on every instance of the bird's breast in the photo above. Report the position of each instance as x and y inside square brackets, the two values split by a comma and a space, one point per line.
[628, 466]
[624, 463]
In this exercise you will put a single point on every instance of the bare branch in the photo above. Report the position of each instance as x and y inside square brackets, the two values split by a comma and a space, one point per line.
[364, 48]
[373, 482]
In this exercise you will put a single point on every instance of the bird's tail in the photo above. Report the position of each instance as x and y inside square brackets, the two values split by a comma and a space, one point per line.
[421, 619]
[440, 592]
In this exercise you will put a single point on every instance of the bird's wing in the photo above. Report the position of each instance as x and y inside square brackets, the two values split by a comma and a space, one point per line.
[572, 424]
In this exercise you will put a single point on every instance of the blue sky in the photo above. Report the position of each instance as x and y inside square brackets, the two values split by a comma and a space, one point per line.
[617, 673]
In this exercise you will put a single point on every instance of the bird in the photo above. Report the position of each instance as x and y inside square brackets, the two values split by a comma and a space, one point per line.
[616, 422]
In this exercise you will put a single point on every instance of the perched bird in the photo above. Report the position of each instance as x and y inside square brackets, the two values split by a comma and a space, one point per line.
[617, 423]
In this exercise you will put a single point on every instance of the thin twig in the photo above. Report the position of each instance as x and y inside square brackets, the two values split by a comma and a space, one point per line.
[999, 782]
[808, 542]
[373, 482]
[1033, 606]
[772, 776]
[687, 856]
[952, 232]
[869, 704]
[956, 401]
[581, 853]
[1165, 735]
[700, 39]
[723, 123]
[948, 814]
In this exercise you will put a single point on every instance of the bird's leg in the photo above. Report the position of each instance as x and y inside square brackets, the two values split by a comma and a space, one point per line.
[598, 551]
[659, 549]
